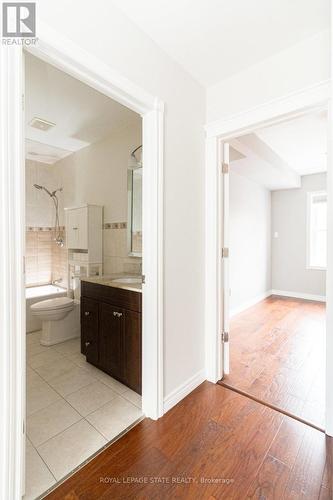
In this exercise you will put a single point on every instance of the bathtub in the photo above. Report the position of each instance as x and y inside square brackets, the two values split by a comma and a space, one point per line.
[35, 294]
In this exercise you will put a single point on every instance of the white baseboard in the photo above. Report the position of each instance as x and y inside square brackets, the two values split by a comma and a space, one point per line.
[250, 303]
[297, 295]
[183, 390]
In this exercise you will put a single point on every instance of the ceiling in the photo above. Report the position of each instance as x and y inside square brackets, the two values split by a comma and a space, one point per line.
[217, 38]
[277, 156]
[81, 115]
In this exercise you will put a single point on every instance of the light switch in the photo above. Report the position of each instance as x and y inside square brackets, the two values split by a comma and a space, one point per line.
[276, 234]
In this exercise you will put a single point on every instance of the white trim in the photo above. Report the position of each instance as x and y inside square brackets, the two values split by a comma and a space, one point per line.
[183, 390]
[275, 111]
[12, 282]
[249, 303]
[289, 106]
[65, 55]
[299, 295]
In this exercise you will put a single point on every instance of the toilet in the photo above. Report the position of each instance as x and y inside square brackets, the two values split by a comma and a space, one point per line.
[60, 319]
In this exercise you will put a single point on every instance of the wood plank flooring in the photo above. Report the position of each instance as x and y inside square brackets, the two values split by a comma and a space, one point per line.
[277, 355]
[215, 444]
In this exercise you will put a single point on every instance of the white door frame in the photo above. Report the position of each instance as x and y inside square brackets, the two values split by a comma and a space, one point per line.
[64, 54]
[288, 107]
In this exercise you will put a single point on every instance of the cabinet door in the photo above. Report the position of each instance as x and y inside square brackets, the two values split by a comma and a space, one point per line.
[77, 228]
[132, 351]
[82, 224]
[111, 340]
[72, 229]
[89, 329]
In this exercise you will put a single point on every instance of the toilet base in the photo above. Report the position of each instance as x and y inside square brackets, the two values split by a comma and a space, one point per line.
[55, 332]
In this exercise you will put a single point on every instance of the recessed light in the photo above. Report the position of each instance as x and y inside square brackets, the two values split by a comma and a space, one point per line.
[41, 124]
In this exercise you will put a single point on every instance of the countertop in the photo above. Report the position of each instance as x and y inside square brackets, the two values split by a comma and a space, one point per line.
[107, 280]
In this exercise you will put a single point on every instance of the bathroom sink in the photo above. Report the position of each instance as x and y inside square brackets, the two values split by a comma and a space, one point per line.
[128, 280]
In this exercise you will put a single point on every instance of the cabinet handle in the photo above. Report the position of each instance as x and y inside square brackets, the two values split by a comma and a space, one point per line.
[86, 313]
[117, 314]
[75, 228]
[87, 344]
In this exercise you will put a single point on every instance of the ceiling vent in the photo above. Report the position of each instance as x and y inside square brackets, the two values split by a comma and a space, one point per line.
[40, 124]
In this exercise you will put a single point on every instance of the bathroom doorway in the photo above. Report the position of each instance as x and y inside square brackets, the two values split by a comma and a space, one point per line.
[151, 111]
[84, 173]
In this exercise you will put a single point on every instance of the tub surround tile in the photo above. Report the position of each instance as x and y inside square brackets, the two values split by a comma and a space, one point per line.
[69, 449]
[50, 421]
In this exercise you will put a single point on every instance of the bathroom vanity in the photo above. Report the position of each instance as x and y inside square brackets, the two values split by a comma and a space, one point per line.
[111, 328]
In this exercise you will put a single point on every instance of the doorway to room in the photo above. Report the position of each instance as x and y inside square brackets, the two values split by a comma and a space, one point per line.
[274, 259]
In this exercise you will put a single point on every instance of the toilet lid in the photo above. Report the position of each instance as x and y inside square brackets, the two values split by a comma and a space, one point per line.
[52, 304]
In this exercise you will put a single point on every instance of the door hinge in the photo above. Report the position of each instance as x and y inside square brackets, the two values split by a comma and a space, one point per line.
[225, 168]
[225, 252]
[225, 336]
[23, 101]
[143, 279]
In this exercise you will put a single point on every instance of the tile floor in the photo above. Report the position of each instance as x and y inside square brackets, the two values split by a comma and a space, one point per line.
[73, 410]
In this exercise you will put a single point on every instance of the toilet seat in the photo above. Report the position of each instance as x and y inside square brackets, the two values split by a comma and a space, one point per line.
[53, 304]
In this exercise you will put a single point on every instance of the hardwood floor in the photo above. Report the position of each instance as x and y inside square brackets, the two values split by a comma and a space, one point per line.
[215, 444]
[277, 355]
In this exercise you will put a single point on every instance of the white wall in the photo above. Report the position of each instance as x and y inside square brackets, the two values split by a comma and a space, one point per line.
[106, 33]
[97, 174]
[250, 242]
[289, 219]
[300, 66]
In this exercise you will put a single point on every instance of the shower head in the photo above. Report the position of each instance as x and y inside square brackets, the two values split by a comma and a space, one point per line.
[38, 186]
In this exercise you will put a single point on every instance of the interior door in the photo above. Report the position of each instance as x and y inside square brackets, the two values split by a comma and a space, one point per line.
[225, 286]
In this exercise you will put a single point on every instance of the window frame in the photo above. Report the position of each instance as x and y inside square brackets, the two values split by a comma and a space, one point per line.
[310, 196]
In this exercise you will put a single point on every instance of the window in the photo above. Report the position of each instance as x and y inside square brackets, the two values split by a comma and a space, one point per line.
[317, 230]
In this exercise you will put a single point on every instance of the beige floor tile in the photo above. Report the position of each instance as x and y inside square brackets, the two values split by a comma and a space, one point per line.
[78, 359]
[31, 375]
[44, 358]
[91, 397]
[35, 348]
[133, 397]
[111, 382]
[71, 381]
[114, 417]
[38, 477]
[68, 348]
[67, 450]
[39, 396]
[52, 370]
[50, 421]
[33, 338]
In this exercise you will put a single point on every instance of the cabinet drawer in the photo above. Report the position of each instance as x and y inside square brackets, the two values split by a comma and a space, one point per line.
[90, 329]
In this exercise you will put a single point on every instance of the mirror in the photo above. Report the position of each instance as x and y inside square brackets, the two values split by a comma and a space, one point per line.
[134, 223]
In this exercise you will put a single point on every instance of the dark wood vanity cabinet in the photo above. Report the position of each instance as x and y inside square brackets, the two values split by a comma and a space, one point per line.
[111, 331]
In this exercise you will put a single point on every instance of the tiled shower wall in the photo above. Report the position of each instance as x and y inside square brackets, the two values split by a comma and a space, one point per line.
[45, 261]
